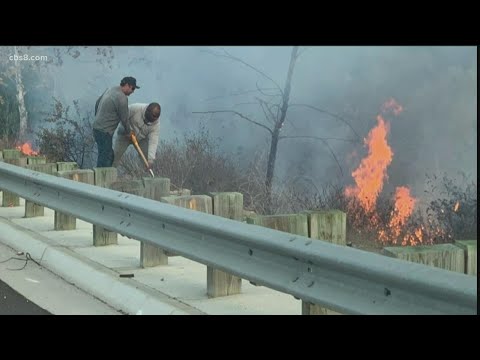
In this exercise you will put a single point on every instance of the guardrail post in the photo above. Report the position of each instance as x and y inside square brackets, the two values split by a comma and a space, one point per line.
[134, 187]
[445, 256]
[104, 177]
[326, 225]
[181, 192]
[201, 203]
[470, 248]
[66, 166]
[32, 209]
[12, 157]
[291, 223]
[11, 154]
[156, 188]
[36, 160]
[64, 221]
[220, 283]
[151, 255]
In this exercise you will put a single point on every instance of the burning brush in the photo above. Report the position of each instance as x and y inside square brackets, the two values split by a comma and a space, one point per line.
[369, 179]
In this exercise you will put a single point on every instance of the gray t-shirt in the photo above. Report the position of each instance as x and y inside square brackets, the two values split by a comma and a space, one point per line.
[112, 109]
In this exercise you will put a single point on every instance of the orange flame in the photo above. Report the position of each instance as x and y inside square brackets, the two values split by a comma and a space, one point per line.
[369, 176]
[369, 179]
[26, 149]
[404, 204]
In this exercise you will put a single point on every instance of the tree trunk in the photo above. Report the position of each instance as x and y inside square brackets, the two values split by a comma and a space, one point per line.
[22, 109]
[272, 156]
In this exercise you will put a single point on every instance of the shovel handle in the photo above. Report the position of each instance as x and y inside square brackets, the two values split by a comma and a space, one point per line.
[139, 150]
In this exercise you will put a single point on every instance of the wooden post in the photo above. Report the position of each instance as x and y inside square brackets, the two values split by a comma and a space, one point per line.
[181, 192]
[330, 226]
[104, 177]
[220, 283]
[445, 256]
[156, 188]
[11, 154]
[66, 166]
[36, 160]
[32, 209]
[10, 199]
[201, 203]
[151, 255]
[134, 187]
[470, 248]
[50, 168]
[291, 223]
[64, 221]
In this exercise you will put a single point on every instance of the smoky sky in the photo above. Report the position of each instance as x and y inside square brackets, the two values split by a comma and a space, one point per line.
[437, 86]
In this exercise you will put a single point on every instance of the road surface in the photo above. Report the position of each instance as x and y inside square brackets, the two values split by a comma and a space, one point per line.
[13, 303]
[35, 290]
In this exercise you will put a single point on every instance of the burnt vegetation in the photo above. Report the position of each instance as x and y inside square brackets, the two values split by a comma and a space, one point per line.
[197, 163]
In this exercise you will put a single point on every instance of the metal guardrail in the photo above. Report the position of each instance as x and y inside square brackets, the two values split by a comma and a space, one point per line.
[343, 279]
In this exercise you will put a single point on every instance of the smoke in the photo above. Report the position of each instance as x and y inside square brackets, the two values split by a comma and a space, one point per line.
[437, 87]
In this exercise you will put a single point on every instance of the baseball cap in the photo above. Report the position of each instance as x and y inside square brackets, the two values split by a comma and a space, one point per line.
[130, 81]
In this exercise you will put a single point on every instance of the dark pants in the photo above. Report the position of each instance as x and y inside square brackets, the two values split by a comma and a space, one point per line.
[105, 151]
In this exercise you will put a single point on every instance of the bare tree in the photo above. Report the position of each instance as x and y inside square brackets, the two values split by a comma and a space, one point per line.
[275, 114]
[14, 60]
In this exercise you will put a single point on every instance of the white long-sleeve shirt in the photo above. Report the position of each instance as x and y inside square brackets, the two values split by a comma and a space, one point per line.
[136, 120]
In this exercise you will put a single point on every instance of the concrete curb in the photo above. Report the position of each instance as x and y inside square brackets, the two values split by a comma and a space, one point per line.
[123, 294]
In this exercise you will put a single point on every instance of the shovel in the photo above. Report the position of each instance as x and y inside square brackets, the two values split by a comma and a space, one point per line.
[139, 150]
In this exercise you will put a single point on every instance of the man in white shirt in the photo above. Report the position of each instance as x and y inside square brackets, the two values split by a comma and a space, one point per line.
[143, 120]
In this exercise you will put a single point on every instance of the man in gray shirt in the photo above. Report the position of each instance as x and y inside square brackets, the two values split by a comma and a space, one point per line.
[110, 110]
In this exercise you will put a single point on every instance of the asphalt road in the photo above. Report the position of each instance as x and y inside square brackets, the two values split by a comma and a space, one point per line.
[12, 303]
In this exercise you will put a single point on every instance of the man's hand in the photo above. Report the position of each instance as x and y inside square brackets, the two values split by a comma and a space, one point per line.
[150, 164]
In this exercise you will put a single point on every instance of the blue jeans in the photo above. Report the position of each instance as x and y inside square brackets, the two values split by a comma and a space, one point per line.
[105, 151]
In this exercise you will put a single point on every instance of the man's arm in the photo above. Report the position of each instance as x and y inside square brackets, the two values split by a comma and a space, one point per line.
[122, 110]
[153, 137]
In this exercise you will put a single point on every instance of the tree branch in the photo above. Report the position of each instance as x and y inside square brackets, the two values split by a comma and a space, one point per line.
[301, 52]
[263, 93]
[324, 140]
[237, 94]
[317, 138]
[331, 114]
[236, 113]
[231, 57]
[264, 103]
